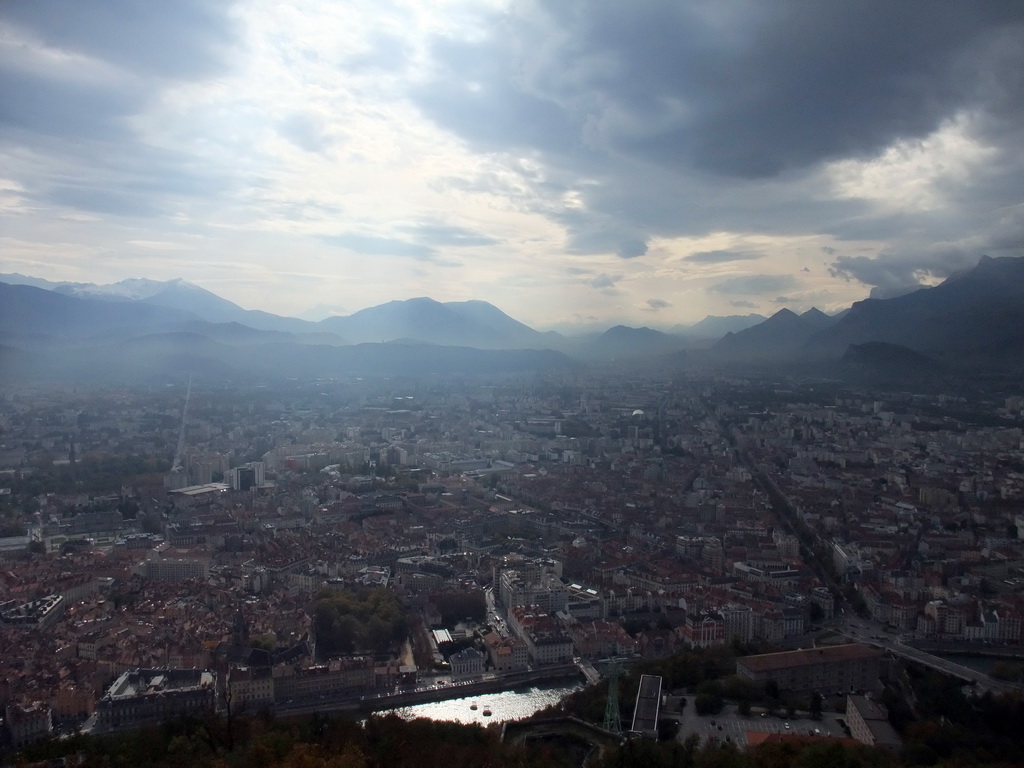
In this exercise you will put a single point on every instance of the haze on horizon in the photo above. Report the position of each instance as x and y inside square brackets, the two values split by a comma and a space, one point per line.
[573, 163]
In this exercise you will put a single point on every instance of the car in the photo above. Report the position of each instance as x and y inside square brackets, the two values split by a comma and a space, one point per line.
[786, 725]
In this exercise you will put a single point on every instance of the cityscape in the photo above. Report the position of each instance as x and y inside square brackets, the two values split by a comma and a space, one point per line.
[511, 383]
[185, 548]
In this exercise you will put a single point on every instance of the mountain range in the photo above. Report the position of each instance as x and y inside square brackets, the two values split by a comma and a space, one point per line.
[144, 328]
[973, 322]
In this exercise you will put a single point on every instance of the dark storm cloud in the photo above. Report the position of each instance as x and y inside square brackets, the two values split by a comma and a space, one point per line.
[693, 117]
[475, 96]
[654, 305]
[380, 246]
[754, 284]
[895, 273]
[722, 257]
[745, 89]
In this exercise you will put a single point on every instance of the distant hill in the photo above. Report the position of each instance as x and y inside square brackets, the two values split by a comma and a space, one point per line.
[26, 311]
[781, 337]
[972, 322]
[46, 335]
[716, 326]
[462, 323]
[465, 323]
[174, 294]
[623, 342]
[181, 294]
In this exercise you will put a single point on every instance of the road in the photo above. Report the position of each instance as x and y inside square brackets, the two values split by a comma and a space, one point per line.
[866, 631]
[494, 616]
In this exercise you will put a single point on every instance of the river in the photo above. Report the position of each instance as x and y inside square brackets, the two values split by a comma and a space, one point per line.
[980, 663]
[506, 705]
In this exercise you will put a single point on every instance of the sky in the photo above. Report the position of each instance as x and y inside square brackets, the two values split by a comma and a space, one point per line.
[577, 163]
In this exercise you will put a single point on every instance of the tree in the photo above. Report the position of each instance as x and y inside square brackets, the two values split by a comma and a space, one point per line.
[708, 704]
[815, 708]
[667, 729]
[743, 708]
[739, 688]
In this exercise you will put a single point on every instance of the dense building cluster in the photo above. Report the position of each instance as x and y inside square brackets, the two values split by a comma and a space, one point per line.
[583, 518]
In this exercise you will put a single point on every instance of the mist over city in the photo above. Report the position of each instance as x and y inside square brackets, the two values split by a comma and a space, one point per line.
[499, 383]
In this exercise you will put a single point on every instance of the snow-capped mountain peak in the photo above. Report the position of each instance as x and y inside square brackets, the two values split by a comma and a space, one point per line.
[132, 289]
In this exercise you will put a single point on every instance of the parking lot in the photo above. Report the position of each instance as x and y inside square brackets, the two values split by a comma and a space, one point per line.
[730, 726]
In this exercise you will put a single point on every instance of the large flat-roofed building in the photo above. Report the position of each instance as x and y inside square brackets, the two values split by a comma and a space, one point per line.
[337, 678]
[850, 667]
[144, 696]
[176, 569]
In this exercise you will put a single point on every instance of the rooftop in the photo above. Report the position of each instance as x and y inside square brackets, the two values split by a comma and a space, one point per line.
[771, 662]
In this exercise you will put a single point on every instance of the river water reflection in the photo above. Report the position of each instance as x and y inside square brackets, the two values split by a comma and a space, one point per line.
[506, 705]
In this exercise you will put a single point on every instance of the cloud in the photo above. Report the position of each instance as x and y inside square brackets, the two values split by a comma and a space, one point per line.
[305, 131]
[73, 80]
[631, 249]
[655, 305]
[892, 292]
[641, 148]
[383, 51]
[721, 89]
[754, 284]
[369, 245]
[721, 257]
[604, 281]
[101, 201]
[185, 39]
[446, 234]
[685, 118]
[474, 93]
[895, 273]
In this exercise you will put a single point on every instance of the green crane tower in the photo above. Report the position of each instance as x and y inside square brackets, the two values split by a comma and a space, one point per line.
[612, 718]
